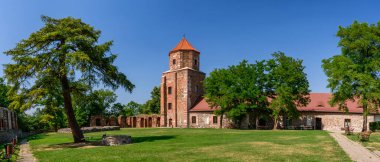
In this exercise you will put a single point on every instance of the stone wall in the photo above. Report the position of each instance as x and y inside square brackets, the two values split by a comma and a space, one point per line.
[143, 121]
[332, 121]
[98, 120]
[206, 120]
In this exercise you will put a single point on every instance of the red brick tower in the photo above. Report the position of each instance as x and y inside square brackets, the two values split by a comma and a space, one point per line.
[181, 86]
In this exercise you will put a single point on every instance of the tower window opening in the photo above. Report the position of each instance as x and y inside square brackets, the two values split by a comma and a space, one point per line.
[169, 90]
[169, 106]
[174, 61]
[195, 62]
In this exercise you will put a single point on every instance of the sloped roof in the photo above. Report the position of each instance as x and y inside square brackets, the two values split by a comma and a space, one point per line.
[183, 45]
[202, 105]
[319, 102]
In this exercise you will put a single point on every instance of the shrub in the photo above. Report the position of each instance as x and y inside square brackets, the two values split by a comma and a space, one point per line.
[373, 126]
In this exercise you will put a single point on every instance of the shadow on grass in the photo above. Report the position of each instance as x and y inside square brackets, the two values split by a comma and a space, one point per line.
[37, 136]
[98, 143]
[150, 138]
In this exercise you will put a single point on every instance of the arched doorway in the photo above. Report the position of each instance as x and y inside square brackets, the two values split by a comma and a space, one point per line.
[134, 122]
[142, 122]
[158, 122]
[98, 122]
[150, 122]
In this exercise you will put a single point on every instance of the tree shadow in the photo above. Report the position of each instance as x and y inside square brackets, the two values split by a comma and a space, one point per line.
[150, 138]
[97, 142]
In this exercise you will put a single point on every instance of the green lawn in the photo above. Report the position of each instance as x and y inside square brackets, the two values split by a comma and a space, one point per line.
[372, 144]
[161, 144]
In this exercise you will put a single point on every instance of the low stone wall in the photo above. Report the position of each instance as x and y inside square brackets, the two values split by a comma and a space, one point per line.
[91, 129]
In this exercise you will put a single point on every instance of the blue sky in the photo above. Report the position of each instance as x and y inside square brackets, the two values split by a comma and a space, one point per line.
[225, 32]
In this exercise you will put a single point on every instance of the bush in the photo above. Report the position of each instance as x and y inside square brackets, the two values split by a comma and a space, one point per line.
[373, 126]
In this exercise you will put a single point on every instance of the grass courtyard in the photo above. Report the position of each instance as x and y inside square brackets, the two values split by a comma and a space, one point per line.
[160, 144]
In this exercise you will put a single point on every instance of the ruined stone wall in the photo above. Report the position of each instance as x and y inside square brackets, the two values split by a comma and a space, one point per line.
[122, 121]
[205, 120]
[94, 118]
[333, 121]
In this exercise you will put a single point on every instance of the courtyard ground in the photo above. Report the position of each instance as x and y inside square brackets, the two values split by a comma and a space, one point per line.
[373, 144]
[161, 144]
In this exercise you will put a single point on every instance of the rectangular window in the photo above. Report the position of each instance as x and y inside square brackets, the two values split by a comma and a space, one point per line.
[309, 119]
[347, 122]
[169, 106]
[169, 90]
[193, 119]
[215, 119]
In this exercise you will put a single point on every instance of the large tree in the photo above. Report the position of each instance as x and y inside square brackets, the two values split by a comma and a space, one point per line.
[237, 90]
[288, 86]
[66, 50]
[354, 74]
[97, 102]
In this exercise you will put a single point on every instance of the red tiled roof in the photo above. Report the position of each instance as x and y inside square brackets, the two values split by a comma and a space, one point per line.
[202, 105]
[319, 102]
[183, 45]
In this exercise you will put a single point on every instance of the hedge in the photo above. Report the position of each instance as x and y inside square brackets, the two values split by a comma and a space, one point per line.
[373, 126]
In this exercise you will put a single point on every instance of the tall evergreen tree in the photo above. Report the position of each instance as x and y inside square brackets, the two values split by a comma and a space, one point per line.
[64, 50]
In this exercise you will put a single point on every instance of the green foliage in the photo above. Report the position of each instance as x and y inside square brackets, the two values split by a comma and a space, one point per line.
[153, 105]
[373, 126]
[354, 74]
[27, 122]
[4, 88]
[132, 109]
[245, 88]
[238, 90]
[288, 86]
[63, 52]
[98, 102]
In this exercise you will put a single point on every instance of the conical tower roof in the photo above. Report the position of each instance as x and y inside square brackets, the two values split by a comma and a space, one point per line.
[183, 45]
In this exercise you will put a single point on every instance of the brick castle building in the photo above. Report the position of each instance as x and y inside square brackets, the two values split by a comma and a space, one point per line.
[183, 106]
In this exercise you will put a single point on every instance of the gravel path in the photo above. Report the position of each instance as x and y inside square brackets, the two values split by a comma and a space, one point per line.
[355, 150]
[25, 153]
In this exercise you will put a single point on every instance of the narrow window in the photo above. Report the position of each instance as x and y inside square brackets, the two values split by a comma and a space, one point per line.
[215, 119]
[195, 62]
[169, 106]
[174, 61]
[169, 90]
[193, 119]
[196, 89]
[347, 122]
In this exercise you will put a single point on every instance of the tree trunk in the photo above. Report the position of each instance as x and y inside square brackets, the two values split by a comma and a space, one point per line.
[364, 119]
[221, 121]
[275, 123]
[75, 129]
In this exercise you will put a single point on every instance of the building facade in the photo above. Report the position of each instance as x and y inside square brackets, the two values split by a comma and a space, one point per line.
[182, 104]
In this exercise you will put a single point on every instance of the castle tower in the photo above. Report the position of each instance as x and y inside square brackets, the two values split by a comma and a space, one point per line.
[181, 85]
